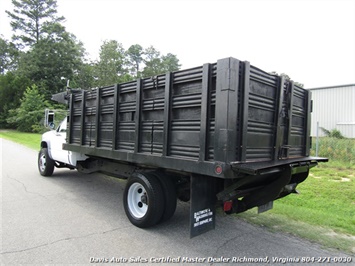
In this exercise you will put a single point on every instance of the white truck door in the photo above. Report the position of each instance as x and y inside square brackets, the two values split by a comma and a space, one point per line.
[58, 154]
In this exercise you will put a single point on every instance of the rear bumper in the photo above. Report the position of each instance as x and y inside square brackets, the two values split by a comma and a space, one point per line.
[264, 182]
[265, 167]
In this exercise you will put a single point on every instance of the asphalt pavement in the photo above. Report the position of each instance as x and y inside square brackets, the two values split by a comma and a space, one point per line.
[72, 218]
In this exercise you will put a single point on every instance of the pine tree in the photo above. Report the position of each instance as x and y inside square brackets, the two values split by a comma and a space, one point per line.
[31, 19]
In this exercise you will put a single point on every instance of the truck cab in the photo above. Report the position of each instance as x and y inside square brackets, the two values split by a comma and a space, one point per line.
[52, 153]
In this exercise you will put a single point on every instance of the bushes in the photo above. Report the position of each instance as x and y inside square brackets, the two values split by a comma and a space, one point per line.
[334, 133]
[30, 115]
[30, 112]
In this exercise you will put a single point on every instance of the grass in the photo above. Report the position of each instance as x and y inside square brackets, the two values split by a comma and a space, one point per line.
[323, 212]
[324, 236]
[31, 140]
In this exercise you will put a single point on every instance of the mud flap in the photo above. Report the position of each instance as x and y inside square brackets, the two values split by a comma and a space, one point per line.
[202, 204]
[266, 207]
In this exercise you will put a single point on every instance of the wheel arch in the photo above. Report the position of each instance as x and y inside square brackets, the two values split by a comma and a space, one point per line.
[44, 144]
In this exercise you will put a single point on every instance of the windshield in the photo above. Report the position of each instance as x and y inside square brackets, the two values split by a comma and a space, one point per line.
[63, 126]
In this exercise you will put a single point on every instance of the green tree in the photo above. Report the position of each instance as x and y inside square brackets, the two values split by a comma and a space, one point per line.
[12, 87]
[152, 62]
[170, 62]
[8, 56]
[53, 60]
[156, 64]
[4, 55]
[84, 77]
[29, 115]
[31, 19]
[135, 58]
[110, 68]
[52, 55]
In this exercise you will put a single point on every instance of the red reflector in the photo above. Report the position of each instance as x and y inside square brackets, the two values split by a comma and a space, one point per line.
[227, 206]
[218, 169]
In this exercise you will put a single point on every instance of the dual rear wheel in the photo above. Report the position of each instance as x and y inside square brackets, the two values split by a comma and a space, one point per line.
[149, 199]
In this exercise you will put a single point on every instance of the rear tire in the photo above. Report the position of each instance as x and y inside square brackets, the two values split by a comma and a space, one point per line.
[170, 196]
[45, 163]
[143, 200]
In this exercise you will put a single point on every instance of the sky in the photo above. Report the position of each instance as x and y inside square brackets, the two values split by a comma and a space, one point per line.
[313, 41]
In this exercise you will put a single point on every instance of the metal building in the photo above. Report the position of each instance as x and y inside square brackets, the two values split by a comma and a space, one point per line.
[334, 108]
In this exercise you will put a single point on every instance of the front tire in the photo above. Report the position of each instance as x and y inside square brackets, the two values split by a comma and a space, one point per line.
[143, 200]
[45, 163]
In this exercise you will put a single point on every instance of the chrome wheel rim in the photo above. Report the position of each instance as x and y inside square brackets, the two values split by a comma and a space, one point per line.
[42, 162]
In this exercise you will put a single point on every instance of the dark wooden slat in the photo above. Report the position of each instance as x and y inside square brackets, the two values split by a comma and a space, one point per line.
[137, 116]
[307, 132]
[289, 121]
[116, 117]
[205, 96]
[70, 122]
[97, 117]
[82, 131]
[167, 111]
[244, 112]
[278, 118]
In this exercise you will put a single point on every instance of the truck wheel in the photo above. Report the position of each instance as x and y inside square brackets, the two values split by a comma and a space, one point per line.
[143, 200]
[170, 196]
[45, 163]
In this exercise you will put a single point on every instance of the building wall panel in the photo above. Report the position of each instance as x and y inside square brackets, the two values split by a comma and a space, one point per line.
[334, 108]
